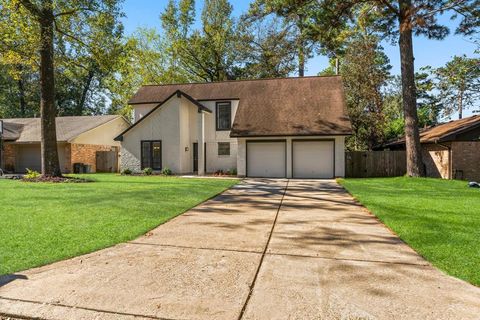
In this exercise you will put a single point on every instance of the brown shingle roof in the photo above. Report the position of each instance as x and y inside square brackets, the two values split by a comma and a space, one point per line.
[270, 107]
[25, 130]
[443, 132]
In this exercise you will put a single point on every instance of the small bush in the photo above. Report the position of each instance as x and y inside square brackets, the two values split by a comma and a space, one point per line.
[31, 174]
[167, 172]
[148, 171]
[232, 172]
[126, 172]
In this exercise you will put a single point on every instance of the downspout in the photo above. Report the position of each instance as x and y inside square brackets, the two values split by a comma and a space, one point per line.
[450, 165]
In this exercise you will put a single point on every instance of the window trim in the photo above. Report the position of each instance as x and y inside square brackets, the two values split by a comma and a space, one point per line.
[217, 104]
[229, 149]
[151, 153]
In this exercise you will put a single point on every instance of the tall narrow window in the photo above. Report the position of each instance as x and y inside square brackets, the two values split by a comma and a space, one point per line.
[224, 116]
[152, 154]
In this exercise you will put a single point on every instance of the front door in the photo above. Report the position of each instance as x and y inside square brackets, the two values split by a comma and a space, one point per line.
[195, 157]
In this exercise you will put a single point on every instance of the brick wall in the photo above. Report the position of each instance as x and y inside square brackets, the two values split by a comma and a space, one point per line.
[466, 160]
[436, 160]
[86, 154]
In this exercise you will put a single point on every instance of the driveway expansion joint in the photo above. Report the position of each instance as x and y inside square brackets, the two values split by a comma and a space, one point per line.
[193, 248]
[426, 264]
[75, 307]
[252, 285]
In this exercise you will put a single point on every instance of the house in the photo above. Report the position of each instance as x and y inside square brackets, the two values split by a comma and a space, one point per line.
[450, 150]
[80, 140]
[290, 127]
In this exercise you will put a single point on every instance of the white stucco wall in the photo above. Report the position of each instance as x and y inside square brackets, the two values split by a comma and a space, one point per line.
[141, 110]
[339, 153]
[213, 137]
[164, 125]
[103, 134]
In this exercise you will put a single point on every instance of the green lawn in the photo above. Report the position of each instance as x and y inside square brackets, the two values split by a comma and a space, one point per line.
[45, 222]
[440, 219]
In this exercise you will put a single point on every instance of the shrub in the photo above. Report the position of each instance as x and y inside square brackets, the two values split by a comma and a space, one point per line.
[232, 172]
[31, 174]
[148, 171]
[126, 172]
[166, 171]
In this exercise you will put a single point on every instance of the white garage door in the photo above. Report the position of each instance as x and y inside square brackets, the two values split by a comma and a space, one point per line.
[266, 159]
[28, 156]
[313, 159]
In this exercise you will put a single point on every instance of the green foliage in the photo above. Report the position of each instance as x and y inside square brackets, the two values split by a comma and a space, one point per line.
[458, 84]
[365, 70]
[126, 172]
[265, 49]
[71, 219]
[297, 16]
[167, 171]
[87, 43]
[438, 218]
[31, 174]
[147, 171]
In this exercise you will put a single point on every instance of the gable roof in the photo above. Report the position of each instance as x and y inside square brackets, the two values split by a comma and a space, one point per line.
[178, 93]
[270, 107]
[443, 132]
[27, 130]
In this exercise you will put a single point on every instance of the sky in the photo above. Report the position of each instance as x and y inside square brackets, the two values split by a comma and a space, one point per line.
[145, 13]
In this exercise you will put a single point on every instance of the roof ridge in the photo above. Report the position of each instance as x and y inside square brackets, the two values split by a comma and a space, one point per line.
[239, 80]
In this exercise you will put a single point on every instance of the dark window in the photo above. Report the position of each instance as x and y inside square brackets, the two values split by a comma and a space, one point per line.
[152, 155]
[224, 148]
[224, 116]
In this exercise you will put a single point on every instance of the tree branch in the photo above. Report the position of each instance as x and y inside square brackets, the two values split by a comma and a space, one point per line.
[33, 9]
[390, 6]
[68, 35]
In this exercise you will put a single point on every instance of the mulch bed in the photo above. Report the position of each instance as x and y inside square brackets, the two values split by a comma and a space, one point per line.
[58, 180]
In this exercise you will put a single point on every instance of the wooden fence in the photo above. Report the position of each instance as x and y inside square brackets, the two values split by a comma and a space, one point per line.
[107, 161]
[367, 164]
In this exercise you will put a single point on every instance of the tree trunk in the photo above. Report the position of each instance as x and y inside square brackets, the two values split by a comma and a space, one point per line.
[301, 48]
[81, 104]
[50, 162]
[21, 96]
[412, 137]
[460, 103]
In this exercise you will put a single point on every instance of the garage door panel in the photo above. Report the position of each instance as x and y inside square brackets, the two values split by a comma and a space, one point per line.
[28, 156]
[266, 159]
[313, 159]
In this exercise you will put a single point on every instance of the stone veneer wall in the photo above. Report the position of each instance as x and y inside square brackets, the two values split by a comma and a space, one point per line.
[466, 160]
[87, 154]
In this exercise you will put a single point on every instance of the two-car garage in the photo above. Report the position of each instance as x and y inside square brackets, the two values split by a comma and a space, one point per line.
[298, 158]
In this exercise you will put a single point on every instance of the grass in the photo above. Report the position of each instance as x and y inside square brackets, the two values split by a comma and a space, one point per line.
[44, 222]
[440, 219]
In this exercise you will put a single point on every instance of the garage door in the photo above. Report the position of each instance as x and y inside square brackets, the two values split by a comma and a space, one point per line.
[28, 156]
[266, 159]
[313, 159]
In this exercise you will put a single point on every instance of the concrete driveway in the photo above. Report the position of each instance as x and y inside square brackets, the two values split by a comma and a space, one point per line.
[265, 249]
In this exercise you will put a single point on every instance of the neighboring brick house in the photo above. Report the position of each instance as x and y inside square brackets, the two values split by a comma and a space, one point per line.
[80, 139]
[450, 150]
